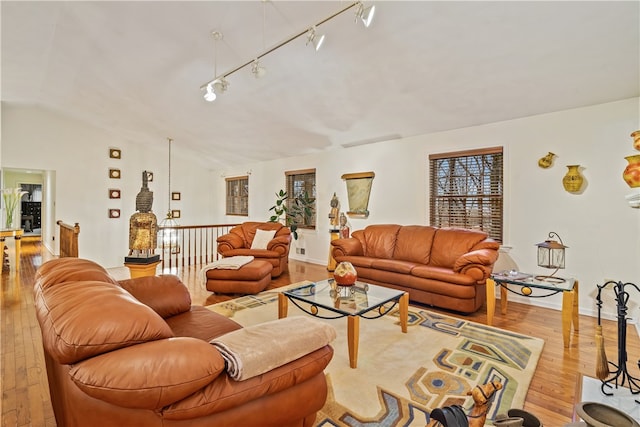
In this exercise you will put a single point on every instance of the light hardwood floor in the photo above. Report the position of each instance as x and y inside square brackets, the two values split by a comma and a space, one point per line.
[552, 394]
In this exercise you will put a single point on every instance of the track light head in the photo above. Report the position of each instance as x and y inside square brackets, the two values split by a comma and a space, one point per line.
[213, 88]
[210, 94]
[365, 14]
[257, 69]
[314, 38]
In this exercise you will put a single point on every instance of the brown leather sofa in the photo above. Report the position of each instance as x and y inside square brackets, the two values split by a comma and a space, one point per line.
[441, 267]
[137, 353]
[239, 239]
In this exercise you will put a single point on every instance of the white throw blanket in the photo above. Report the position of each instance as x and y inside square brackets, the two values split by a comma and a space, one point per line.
[257, 349]
[229, 263]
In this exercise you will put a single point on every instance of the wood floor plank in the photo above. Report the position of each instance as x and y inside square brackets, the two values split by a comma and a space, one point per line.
[552, 392]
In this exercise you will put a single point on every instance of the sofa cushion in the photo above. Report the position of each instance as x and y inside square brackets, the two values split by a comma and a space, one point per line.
[450, 243]
[165, 294]
[63, 270]
[414, 243]
[201, 323]
[86, 318]
[396, 266]
[262, 238]
[149, 375]
[442, 274]
[380, 240]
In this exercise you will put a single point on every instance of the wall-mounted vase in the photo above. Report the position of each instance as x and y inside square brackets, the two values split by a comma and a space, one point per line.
[546, 161]
[573, 180]
[631, 173]
[636, 139]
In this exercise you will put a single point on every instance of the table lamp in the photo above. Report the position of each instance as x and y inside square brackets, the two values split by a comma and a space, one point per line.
[551, 255]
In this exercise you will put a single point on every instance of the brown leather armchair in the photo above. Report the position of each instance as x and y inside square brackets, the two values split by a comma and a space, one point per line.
[240, 239]
[137, 353]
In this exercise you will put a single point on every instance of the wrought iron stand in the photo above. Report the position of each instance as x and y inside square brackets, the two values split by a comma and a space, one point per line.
[620, 375]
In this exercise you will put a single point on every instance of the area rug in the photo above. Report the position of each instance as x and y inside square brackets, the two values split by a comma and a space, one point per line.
[400, 377]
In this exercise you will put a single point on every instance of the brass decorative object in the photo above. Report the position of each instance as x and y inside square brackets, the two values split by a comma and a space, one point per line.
[546, 161]
[573, 180]
[143, 228]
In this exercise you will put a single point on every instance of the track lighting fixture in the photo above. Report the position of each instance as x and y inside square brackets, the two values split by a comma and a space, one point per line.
[365, 14]
[219, 83]
[314, 38]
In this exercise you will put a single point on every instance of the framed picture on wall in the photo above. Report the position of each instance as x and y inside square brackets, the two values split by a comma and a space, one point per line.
[114, 173]
[114, 193]
[175, 195]
[114, 213]
[175, 213]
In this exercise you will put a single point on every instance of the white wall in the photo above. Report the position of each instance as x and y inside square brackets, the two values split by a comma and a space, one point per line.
[602, 232]
[75, 159]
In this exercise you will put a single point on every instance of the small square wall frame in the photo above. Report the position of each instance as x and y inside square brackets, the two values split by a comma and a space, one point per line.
[115, 153]
[114, 213]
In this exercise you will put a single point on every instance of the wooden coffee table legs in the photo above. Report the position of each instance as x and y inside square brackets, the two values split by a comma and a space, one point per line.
[353, 324]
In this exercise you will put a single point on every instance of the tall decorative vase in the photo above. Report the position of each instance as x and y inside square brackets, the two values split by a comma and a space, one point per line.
[573, 180]
[631, 174]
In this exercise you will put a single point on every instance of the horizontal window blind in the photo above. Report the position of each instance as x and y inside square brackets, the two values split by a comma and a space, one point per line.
[238, 195]
[466, 190]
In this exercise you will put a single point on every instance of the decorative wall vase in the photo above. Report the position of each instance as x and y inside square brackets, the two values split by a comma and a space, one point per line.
[573, 180]
[636, 139]
[631, 173]
[546, 161]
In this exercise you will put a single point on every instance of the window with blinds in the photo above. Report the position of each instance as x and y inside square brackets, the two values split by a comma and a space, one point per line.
[466, 190]
[298, 183]
[238, 195]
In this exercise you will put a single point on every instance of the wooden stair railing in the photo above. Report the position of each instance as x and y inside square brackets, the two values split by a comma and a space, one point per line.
[68, 239]
[188, 245]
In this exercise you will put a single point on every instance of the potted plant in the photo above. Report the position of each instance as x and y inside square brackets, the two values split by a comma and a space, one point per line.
[298, 213]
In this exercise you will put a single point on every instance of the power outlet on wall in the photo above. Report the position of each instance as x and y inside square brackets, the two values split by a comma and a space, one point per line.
[300, 251]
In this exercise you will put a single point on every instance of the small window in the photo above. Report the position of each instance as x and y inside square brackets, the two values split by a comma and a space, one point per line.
[238, 195]
[302, 184]
[466, 190]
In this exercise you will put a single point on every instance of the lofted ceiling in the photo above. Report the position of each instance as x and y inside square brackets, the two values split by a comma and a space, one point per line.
[136, 68]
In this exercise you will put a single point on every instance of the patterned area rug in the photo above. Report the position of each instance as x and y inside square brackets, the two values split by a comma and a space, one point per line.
[400, 377]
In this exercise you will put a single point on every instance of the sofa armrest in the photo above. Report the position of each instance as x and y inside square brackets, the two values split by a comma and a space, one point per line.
[280, 244]
[149, 375]
[347, 247]
[229, 241]
[165, 294]
[477, 264]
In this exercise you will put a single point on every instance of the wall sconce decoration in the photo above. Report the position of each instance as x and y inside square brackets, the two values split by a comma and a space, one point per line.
[115, 153]
[114, 213]
[551, 255]
[114, 173]
[573, 180]
[149, 176]
[175, 213]
[546, 161]
[114, 193]
[358, 191]
[631, 174]
[175, 195]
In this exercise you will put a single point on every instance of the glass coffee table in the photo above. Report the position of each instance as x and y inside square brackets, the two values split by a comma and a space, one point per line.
[527, 283]
[327, 300]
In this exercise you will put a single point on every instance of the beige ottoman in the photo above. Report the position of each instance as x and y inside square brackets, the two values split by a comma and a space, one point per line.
[251, 278]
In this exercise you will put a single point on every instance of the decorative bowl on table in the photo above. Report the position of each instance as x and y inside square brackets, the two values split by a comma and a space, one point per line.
[345, 274]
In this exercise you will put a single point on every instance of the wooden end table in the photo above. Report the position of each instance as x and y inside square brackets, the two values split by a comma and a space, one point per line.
[360, 300]
[529, 282]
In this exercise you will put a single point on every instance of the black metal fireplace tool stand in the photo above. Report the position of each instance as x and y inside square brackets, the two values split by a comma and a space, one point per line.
[619, 375]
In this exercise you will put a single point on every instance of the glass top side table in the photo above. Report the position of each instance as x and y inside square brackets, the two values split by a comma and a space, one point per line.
[527, 283]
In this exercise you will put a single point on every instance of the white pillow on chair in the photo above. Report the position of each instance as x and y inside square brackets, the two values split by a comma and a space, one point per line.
[262, 238]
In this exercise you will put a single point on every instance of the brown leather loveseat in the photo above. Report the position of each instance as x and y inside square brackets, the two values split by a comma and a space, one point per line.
[442, 267]
[137, 353]
[240, 239]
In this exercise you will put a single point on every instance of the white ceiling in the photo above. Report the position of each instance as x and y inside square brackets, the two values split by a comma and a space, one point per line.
[136, 68]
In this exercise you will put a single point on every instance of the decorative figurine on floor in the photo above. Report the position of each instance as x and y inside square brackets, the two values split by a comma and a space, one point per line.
[482, 397]
[335, 209]
[143, 228]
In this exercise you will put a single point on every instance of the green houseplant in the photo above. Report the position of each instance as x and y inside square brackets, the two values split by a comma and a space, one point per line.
[299, 212]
